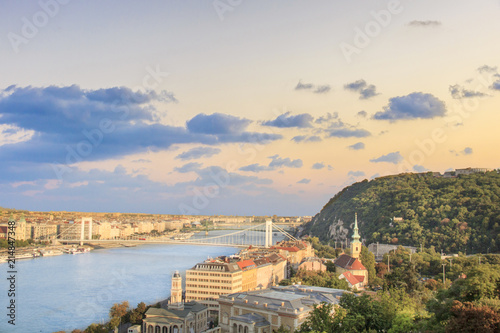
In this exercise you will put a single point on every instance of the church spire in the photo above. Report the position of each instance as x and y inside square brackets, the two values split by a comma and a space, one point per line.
[355, 235]
[355, 243]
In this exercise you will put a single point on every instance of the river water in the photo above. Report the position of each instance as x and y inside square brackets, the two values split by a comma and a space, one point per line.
[72, 291]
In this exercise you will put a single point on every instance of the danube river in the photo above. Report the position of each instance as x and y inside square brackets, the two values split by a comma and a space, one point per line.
[72, 291]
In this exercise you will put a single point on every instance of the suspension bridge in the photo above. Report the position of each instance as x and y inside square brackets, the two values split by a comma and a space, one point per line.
[256, 235]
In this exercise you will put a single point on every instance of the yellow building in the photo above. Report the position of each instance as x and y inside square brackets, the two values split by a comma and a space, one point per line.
[249, 275]
[206, 281]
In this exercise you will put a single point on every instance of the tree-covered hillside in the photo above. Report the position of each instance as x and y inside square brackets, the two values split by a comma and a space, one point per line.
[453, 214]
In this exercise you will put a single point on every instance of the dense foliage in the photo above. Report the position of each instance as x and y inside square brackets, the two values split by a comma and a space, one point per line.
[459, 214]
[415, 296]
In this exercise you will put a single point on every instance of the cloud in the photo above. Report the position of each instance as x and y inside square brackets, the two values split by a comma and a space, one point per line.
[419, 168]
[256, 167]
[217, 123]
[322, 89]
[276, 163]
[318, 166]
[496, 84]
[427, 23]
[413, 106]
[304, 86]
[394, 158]
[356, 173]
[357, 146]
[305, 138]
[189, 167]
[365, 91]
[304, 181]
[69, 125]
[198, 152]
[362, 114]
[142, 160]
[317, 89]
[327, 118]
[349, 133]
[465, 151]
[487, 69]
[287, 120]
[458, 92]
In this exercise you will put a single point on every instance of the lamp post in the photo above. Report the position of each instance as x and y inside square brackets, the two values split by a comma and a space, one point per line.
[444, 274]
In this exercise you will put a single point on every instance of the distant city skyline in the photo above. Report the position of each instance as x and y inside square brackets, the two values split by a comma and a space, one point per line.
[239, 107]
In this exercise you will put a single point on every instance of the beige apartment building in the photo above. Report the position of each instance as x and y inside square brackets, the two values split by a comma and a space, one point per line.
[43, 231]
[206, 281]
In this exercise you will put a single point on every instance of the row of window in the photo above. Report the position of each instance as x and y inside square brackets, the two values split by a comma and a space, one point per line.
[209, 274]
[207, 280]
[208, 287]
[203, 292]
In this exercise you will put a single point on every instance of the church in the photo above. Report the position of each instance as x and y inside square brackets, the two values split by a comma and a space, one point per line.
[179, 316]
[350, 267]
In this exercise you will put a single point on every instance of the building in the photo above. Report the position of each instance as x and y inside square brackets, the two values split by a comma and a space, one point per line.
[352, 263]
[294, 251]
[206, 281]
[178, 317]
[249, 275]
[134, 329]
[43, 231]
[264, 273]
[380, 249]
[312, 264]
[354, 281]
[263, 311]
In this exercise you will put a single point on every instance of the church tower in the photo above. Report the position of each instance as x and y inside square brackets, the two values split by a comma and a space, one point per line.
[21, 228]
[355, 243]
[176, 292]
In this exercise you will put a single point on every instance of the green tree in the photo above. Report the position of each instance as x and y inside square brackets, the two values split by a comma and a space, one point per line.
[117, 312]
[368, 260]
[365, 311]
[320, 319]
[137, 314]
[402, 323]
[96, 328]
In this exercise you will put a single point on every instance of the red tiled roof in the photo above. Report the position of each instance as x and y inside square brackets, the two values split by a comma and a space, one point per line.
[361, 278]
[351, 278]
[348, 262]
[245, 263]
[289, 249]
[357, 265]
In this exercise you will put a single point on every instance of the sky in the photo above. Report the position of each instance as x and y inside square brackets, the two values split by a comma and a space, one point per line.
[238, 107]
